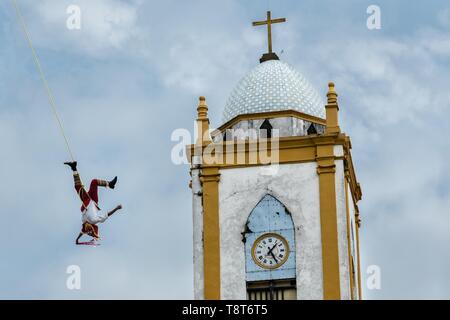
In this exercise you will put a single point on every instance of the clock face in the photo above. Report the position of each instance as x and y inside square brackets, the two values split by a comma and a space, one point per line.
[270, 251]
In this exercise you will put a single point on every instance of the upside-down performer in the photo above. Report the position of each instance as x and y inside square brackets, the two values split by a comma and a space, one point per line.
[91, 212]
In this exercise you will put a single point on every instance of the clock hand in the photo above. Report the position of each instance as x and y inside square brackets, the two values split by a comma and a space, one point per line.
[270, 251]
[276, 261]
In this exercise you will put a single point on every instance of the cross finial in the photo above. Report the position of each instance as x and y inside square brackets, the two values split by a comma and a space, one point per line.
[270, 55]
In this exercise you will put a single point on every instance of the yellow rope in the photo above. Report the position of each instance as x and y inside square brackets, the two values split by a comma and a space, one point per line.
[43, 78]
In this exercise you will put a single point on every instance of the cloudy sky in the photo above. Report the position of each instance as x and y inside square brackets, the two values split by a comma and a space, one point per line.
[132, 75]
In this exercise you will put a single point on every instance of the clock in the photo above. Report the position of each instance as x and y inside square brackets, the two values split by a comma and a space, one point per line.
[270, 251]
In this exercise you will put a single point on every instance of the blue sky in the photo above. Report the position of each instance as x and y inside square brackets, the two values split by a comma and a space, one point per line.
[132, 75]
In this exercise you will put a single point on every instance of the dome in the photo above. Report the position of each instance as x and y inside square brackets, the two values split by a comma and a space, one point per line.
[273, 86]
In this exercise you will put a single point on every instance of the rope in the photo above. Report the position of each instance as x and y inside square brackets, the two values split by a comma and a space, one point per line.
[43, 78]
[46, 85]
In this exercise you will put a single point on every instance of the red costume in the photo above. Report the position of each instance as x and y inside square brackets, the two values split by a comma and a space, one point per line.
[92, 194]
[91, 213]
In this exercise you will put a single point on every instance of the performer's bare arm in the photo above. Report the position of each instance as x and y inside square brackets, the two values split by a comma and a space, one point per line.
[114, 210]
[78, 238]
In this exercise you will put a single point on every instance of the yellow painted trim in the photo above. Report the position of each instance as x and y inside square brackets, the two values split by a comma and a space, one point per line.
[246, 153]
[300, 149]
[359, 259]
[202, 122]
[326, 169]
[211, 232]
[269, 115]
[354, 185]
[331, 110]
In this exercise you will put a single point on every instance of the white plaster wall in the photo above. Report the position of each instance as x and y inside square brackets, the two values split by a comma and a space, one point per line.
[338, 151]
[197, 209]
[353, 240]
[341, 211]
[297, 187]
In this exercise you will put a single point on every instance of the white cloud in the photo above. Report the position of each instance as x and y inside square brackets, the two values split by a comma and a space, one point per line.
[444, 17]
[105, 25]
[149, 62]
[406, 71]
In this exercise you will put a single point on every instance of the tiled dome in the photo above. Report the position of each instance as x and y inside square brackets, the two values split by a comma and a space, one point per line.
[273, 86]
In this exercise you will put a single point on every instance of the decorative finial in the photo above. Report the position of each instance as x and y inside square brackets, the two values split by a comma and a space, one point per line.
[331, 95]
[332, 110]
[202, 109]
[270, 55]
[202, 121]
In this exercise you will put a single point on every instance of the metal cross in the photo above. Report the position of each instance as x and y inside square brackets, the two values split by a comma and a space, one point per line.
[269, 23]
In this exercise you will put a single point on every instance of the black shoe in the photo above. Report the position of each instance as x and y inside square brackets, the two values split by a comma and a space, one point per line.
[112, 183]
[72, 165]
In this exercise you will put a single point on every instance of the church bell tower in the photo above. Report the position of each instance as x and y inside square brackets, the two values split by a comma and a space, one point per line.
[275, 192]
